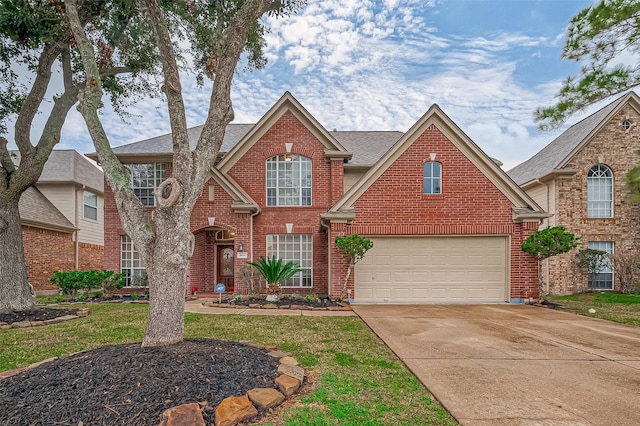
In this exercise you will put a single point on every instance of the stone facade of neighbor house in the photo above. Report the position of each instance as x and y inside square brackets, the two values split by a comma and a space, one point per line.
[446, 221]
[72, 214]
[580, 178]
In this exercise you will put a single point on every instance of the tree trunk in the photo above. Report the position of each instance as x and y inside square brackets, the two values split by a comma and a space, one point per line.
[167, 270]
[14, 285]
[343, 293]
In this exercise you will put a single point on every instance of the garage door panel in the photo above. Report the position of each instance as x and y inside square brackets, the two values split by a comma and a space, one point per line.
[433, 270]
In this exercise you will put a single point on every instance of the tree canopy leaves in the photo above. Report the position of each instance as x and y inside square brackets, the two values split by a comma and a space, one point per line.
[596, 36]
[549, 242]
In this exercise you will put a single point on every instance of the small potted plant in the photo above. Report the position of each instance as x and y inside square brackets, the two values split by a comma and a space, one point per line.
[194, 290]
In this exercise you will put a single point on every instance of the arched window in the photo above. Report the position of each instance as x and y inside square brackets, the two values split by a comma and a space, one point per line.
[600, 191]
[289, 180]
[432, 178]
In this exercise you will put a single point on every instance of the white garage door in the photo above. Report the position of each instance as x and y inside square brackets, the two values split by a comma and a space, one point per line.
[433, 270]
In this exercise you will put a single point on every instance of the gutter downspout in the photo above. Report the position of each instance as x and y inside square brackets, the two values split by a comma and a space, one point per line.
[75, 233]
[257, 212]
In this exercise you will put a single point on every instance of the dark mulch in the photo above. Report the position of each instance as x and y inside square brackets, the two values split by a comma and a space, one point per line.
[41, 314]
[285, 300]
[131, 385]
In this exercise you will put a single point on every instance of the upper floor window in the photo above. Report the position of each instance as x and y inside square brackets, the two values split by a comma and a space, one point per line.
[432, 178]
[289, 180]
[600, 191]
[145, 178]
[90, 209]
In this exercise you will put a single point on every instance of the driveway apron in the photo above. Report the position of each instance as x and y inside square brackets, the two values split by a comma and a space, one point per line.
[516, 365]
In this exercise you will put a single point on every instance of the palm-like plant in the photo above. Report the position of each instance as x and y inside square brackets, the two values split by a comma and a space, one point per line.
[275, 271]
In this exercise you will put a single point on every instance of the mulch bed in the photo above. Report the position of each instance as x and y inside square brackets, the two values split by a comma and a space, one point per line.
[131, 385]
[284, 301]
[41, 314]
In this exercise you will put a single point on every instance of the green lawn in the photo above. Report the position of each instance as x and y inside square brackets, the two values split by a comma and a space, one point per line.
[358, 380]
[623, 308]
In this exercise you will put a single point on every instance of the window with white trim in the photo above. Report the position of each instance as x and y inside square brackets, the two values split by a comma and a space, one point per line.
[130, 262]
[600, 191]
[603, 279]
[432, 175]
[288, 180]
[90, 208]
[297, 248]
[145, 178]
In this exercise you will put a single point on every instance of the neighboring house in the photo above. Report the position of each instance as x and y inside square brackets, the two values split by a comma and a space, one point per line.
[74, 187]
[580, 178]
[446, 221]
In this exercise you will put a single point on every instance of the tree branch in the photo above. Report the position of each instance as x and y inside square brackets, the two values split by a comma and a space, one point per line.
[135, 219]
[182, 161]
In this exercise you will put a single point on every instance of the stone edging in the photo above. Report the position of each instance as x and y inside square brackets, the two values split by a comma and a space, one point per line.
[274, 306]
[236, 409]
[26, 324]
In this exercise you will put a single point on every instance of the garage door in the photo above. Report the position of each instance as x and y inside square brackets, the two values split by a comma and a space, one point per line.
[433, 270]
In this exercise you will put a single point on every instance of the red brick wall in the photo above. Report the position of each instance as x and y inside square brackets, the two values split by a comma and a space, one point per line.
[250, 173]
[45, 253]
[90, 256]
[469, 204]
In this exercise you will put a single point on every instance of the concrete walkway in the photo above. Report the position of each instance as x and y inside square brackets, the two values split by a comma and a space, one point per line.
[196, 306]
[516, 365]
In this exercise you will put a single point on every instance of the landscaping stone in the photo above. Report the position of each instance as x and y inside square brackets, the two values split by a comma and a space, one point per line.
[265, 398]
[38, 323]
[288, 360]
[183, 415]
[285, 306]
[278, 354]
[83, 313]
[292, 370]
[5, 326]
[255, 305]
[233, 410]
[288, 385]
[38, 364]
[270, 306]
[21, 324]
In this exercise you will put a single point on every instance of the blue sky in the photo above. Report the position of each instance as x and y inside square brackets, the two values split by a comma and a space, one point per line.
[380, 64]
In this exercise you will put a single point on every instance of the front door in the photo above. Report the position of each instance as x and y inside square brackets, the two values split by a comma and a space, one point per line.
[225, 266]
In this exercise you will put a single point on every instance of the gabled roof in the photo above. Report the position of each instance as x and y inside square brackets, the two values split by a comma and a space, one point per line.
[286, 103]
[523, 205]
[69, 166]
[242, 202]
[559, 152]
[36, 210]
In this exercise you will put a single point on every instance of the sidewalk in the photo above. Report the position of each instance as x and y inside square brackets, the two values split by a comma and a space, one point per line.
[197, 307]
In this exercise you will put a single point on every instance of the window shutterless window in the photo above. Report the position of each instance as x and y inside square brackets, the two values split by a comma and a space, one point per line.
[90, 210]
[297, 248]
[603, 279]
[432, 178]
[145, 178]
[130, 262]
[288, 180]
[600, 191]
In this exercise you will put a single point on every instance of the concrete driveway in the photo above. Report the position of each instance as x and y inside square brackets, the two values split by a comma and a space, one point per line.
[516, 365]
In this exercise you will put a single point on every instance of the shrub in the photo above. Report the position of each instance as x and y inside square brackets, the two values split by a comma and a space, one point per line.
[275, 271]
[71, 282]
[592, 261]
[626, 270]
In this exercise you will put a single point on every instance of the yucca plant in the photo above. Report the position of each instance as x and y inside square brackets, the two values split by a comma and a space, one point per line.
[275, 271]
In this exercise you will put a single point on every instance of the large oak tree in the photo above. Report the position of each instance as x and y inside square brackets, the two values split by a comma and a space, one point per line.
[218, 32]
[596, 37]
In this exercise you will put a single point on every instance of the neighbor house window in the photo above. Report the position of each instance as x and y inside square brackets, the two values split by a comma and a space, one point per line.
[289, 180]
[600, 191]
[145, 178]
[90, 206]
[432, 178]
[130, 262]
[293, 247]
[603, 279]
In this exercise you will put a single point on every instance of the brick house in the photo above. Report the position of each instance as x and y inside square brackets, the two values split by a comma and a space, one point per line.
[62, 218]
[580, 179]
[446, 221]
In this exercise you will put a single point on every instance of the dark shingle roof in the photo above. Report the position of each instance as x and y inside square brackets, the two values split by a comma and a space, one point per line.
[367, 147]
[36, 209]
[555, 154]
